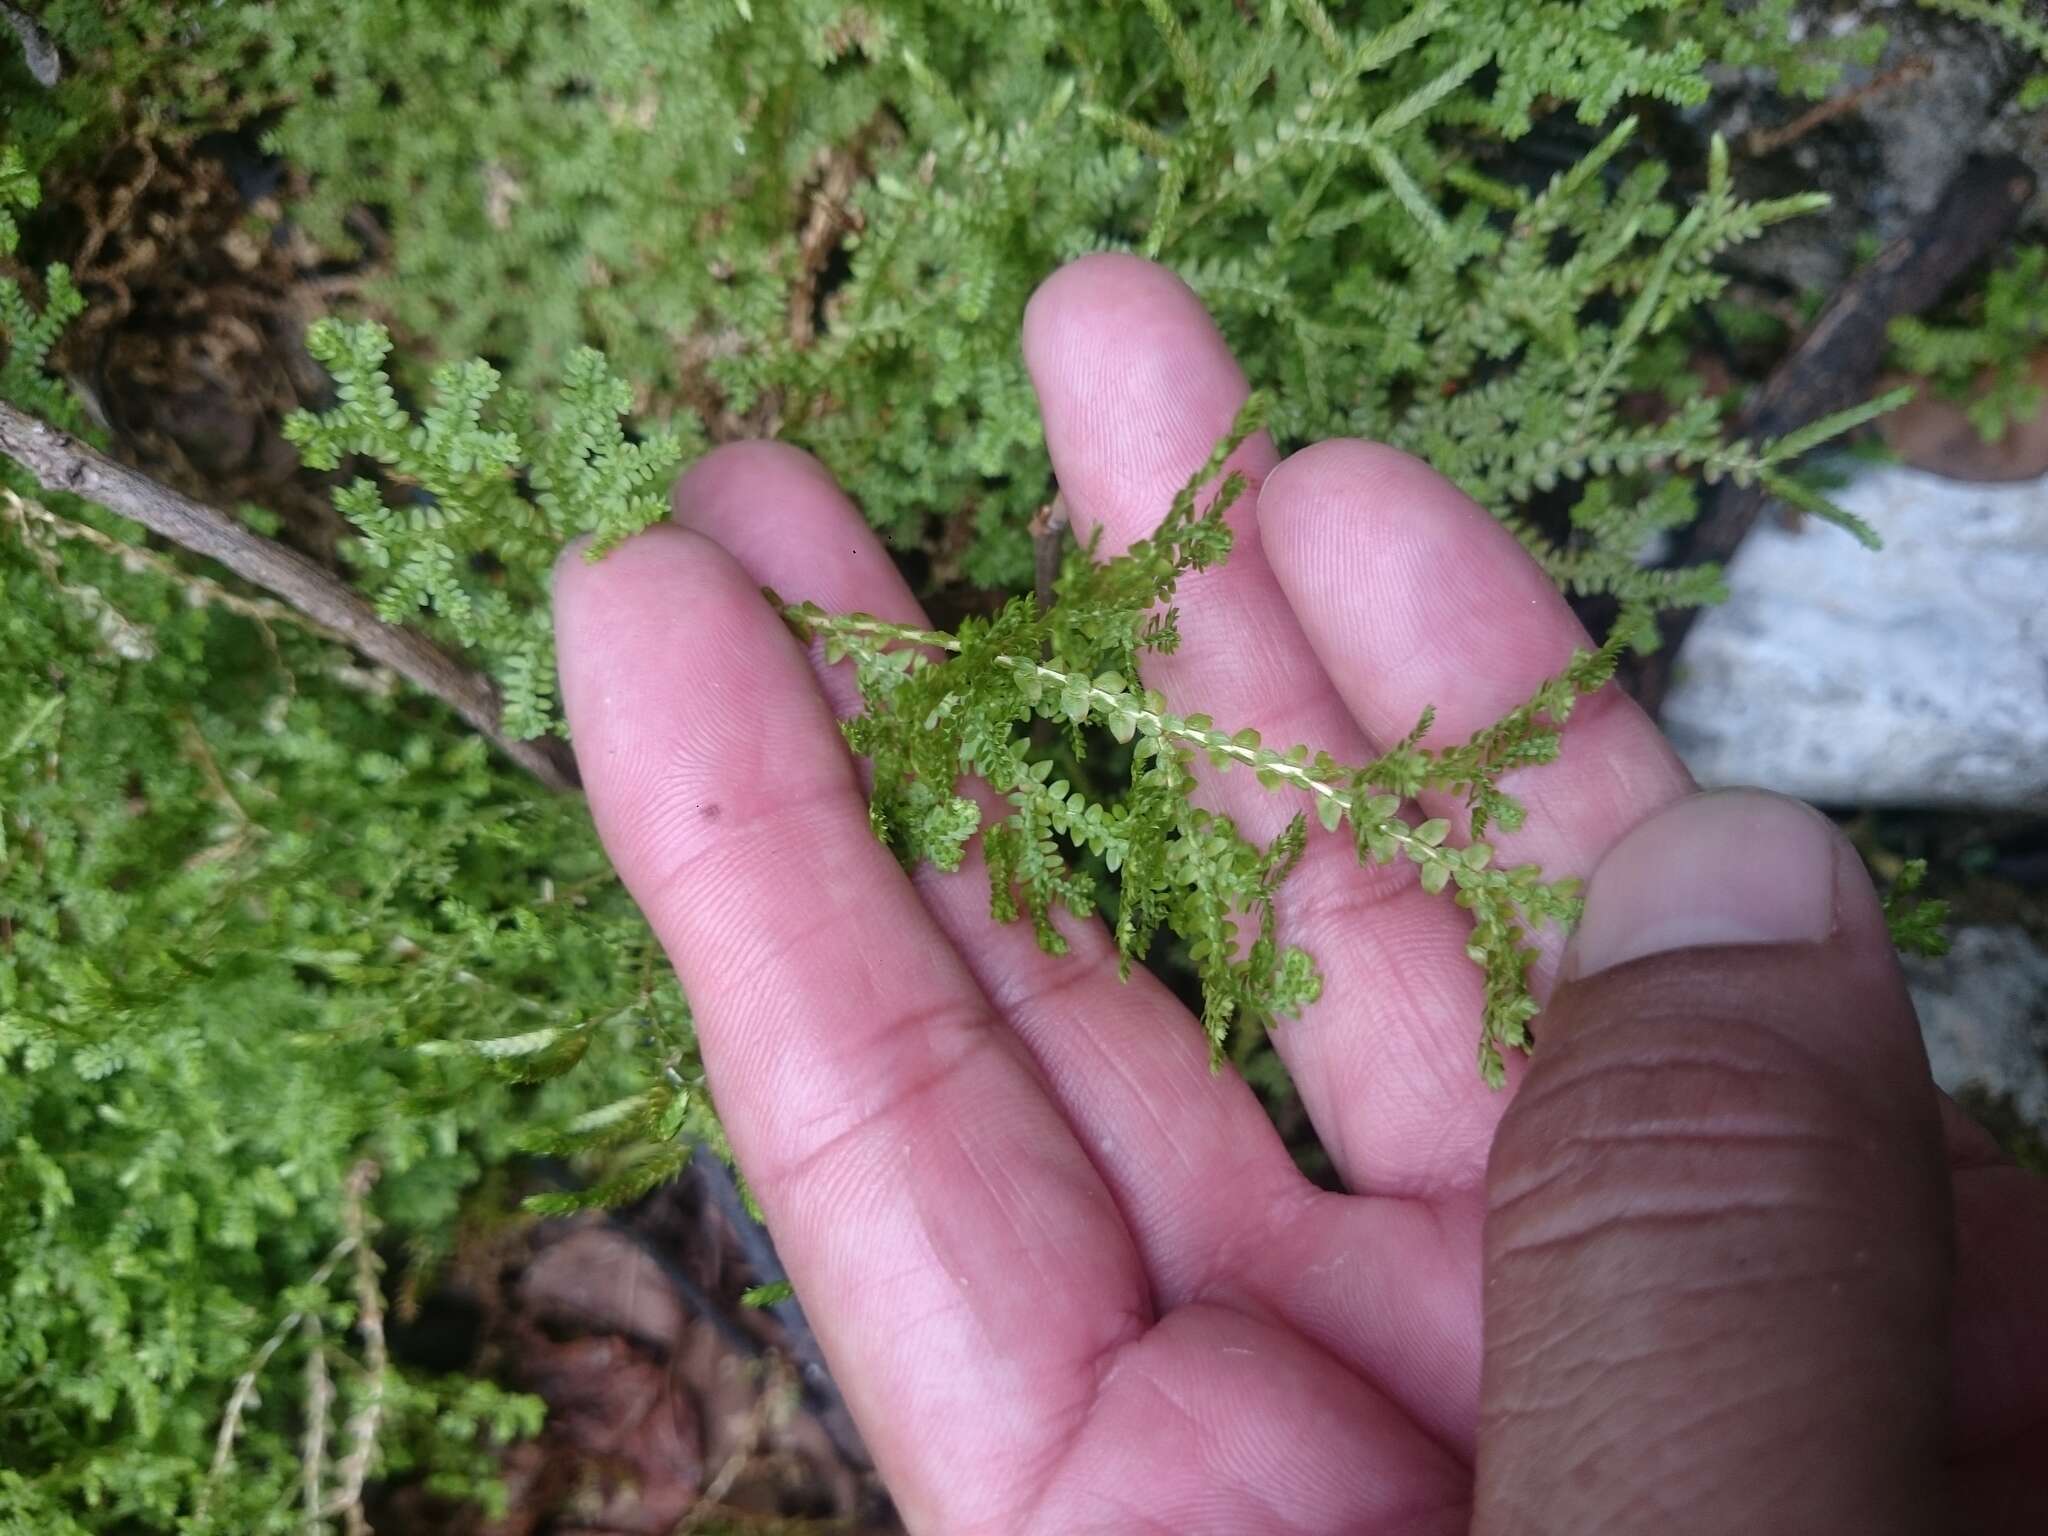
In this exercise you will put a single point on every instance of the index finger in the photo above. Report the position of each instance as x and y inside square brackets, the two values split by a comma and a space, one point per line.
[966, 1269]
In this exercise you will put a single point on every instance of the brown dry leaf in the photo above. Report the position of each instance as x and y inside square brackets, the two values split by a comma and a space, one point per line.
[659, 1420]
[629, 1425]
[192, 348]
[671, 1407]
[1935, 435]
[597, 1280]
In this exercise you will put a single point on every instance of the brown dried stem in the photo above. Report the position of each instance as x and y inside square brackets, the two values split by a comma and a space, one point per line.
[1768, 141]
[60, 462]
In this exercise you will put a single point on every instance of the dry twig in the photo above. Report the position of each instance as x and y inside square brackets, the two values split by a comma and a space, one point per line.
[60, 462]
[1048, 546]
[44, 62]
[363, 1424]
[244, 1391]
[319, 1399]
[1768, 141]
[771, 1407]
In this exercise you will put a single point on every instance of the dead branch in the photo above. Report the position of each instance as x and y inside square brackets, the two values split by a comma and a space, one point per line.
[60, 462]
[244, 1392]
[319, 1403]
[44, 62]
[820, 1391]
[1768, 141]
[364, 1424]
[1048, 547]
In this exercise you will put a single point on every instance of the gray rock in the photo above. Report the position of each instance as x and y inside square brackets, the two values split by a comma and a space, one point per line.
[1889, 160]
[1914, 676]
[1925, 130]
[1984, 1014]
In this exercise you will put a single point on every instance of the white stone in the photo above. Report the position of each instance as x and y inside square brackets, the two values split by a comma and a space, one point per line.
[1917, 675]
[1984, 1015]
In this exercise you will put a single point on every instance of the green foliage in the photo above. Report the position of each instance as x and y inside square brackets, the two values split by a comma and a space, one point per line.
[18, 189]
[1293, 168]
[27, 330]
[824, 219]
[259, 915]
[1918, 924]
[1773, 35]
[242, 884]
[489, 490]
[929, 722]
[1985, 356]
[264, 917]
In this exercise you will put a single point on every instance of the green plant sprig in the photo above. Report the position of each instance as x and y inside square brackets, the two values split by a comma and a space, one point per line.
[942, 707]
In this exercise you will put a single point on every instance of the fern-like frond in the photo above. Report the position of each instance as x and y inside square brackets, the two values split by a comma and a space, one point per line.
[942, 708]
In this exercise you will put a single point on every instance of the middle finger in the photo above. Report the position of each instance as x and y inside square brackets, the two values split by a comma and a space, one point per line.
[1136, 386]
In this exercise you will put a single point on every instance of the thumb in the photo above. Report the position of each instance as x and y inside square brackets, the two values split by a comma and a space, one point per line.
[1718, 1232]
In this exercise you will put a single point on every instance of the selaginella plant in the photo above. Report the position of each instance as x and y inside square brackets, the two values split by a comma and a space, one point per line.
[930, 724]
[266, 917]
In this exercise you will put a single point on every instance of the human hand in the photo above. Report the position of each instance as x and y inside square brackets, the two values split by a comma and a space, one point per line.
[1695, 1274]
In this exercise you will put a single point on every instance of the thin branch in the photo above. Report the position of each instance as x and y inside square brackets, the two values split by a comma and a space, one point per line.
[44, 62]
[319, 1400]
[1048, 546]
[60, 462]
[244, 1391]
[769, 1412]
[121, 635]
[821, 1392]
[1768, 141]
[201, 591]
[364, 1423]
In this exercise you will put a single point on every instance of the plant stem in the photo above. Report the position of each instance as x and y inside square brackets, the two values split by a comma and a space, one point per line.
[61, 463]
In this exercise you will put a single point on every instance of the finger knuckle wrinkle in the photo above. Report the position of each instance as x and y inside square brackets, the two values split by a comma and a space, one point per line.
[895, 1108]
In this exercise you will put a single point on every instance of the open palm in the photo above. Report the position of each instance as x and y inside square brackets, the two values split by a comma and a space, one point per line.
[1067, 1278]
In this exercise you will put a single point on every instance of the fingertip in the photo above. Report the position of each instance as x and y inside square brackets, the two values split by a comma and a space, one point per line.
[585, 589]
[1354, 478]
[1136, 386]
[1071, 306]
[1383, 516]
[570, 558]
[1739, 866]
[780, 513]
[637, 631]
[752, 471]
[1355, 512]
[1753, 912]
